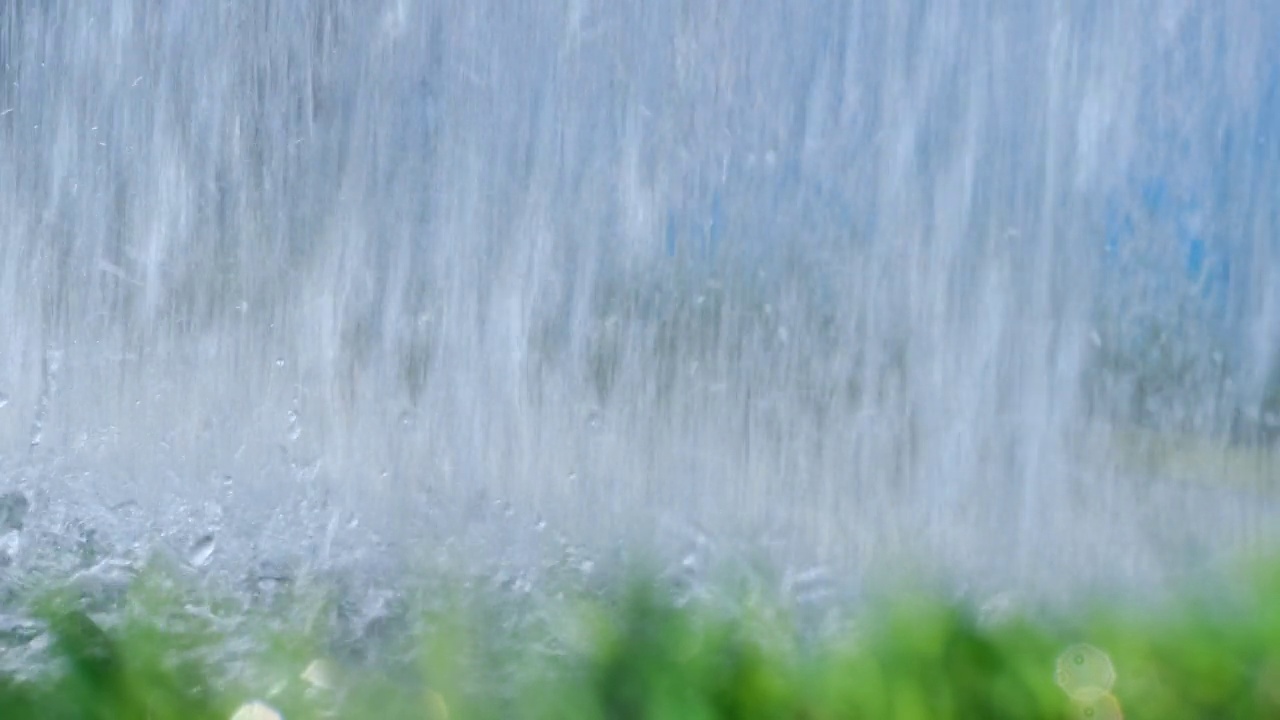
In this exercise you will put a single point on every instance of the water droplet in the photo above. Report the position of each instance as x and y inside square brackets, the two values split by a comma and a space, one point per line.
[279, 362]
[4, 399]
[998, 609]
[1085, 673]
[295, 430]
[1104, 707]
[202, 550]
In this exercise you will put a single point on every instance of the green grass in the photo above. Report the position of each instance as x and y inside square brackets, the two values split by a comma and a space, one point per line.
[632, 654]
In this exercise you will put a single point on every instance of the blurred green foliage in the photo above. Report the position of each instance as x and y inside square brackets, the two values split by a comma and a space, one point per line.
[1211, 652]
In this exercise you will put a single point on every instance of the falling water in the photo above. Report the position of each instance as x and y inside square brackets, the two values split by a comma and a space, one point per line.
[847, 280]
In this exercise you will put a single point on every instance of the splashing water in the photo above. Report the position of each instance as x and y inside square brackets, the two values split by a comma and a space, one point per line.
[857, 280]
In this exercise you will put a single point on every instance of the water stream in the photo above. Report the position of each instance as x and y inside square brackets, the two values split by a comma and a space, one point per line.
[827, 281]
